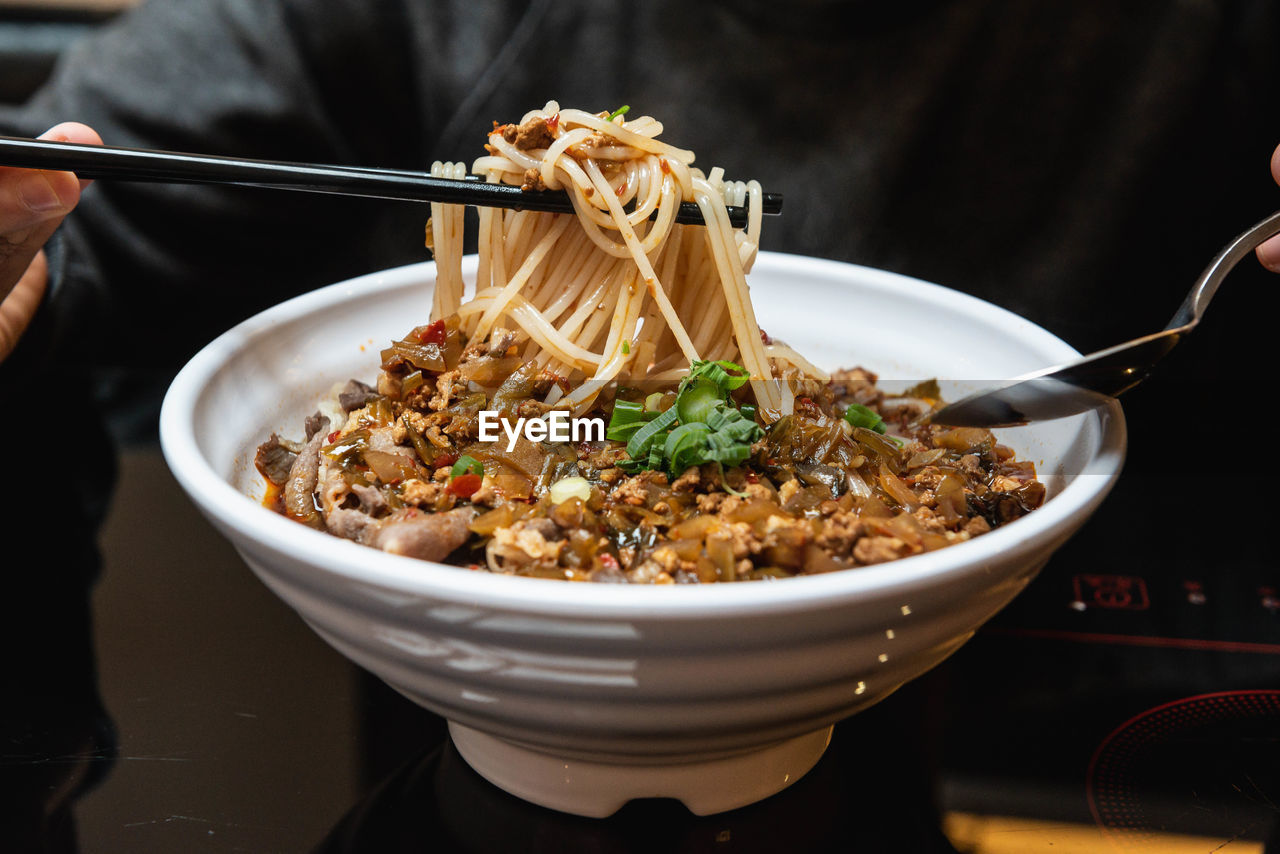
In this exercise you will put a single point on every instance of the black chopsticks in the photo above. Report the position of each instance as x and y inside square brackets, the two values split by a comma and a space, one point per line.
[137, 164]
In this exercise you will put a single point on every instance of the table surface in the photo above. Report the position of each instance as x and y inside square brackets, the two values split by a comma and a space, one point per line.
[1118, 702]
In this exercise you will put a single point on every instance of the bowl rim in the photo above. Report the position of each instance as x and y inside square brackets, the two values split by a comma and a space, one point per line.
[333, 558]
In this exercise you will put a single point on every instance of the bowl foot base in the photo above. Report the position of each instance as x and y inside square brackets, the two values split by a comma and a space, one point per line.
[599, 788]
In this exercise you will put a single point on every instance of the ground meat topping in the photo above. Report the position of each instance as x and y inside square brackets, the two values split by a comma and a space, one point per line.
[532, 134]
[533, 182]
[816, 494]
[871, 550]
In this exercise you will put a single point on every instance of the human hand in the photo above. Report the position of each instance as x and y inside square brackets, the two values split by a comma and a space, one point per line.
[32, 205]
[1269, 251]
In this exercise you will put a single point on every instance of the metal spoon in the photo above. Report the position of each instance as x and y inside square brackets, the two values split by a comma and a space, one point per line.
[1098, 378]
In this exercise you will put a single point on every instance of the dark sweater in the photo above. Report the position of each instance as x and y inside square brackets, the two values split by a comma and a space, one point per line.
[1076, 162]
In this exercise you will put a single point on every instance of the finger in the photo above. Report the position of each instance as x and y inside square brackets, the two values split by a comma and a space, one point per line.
[1269, 251]
[17, 309]
[1269, 254]
[33, 202]
[32, 205]
[31, 197]
[73, 132]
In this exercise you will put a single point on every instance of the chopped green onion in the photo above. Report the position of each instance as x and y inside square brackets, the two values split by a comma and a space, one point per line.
[685, 445]
[861, 416]
[702, 426]
[639, 445]
[626, 348]
[466, 464]
[621, 111]
[627, 418]
[696, 401]
[728, 376]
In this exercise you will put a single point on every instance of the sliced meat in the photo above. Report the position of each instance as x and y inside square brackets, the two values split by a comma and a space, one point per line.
[354, 395]
[332, 489]
[371, 499]
[274, 460]
[315, 423]
[350, 523]
[427, 536]
[299, 489]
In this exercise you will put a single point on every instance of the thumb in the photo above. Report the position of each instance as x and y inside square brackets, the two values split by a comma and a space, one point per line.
[1269, 251]
[32, 205]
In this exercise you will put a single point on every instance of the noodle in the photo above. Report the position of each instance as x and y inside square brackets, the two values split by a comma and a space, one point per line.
[610, 292]
[444, 238]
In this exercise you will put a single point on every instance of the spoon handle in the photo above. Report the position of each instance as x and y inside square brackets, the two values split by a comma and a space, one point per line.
[1189, 313]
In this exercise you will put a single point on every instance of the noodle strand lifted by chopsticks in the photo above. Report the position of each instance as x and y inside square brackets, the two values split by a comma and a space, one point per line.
[620, 289]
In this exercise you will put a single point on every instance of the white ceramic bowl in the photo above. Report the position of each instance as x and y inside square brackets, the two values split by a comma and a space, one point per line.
[582, 696]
